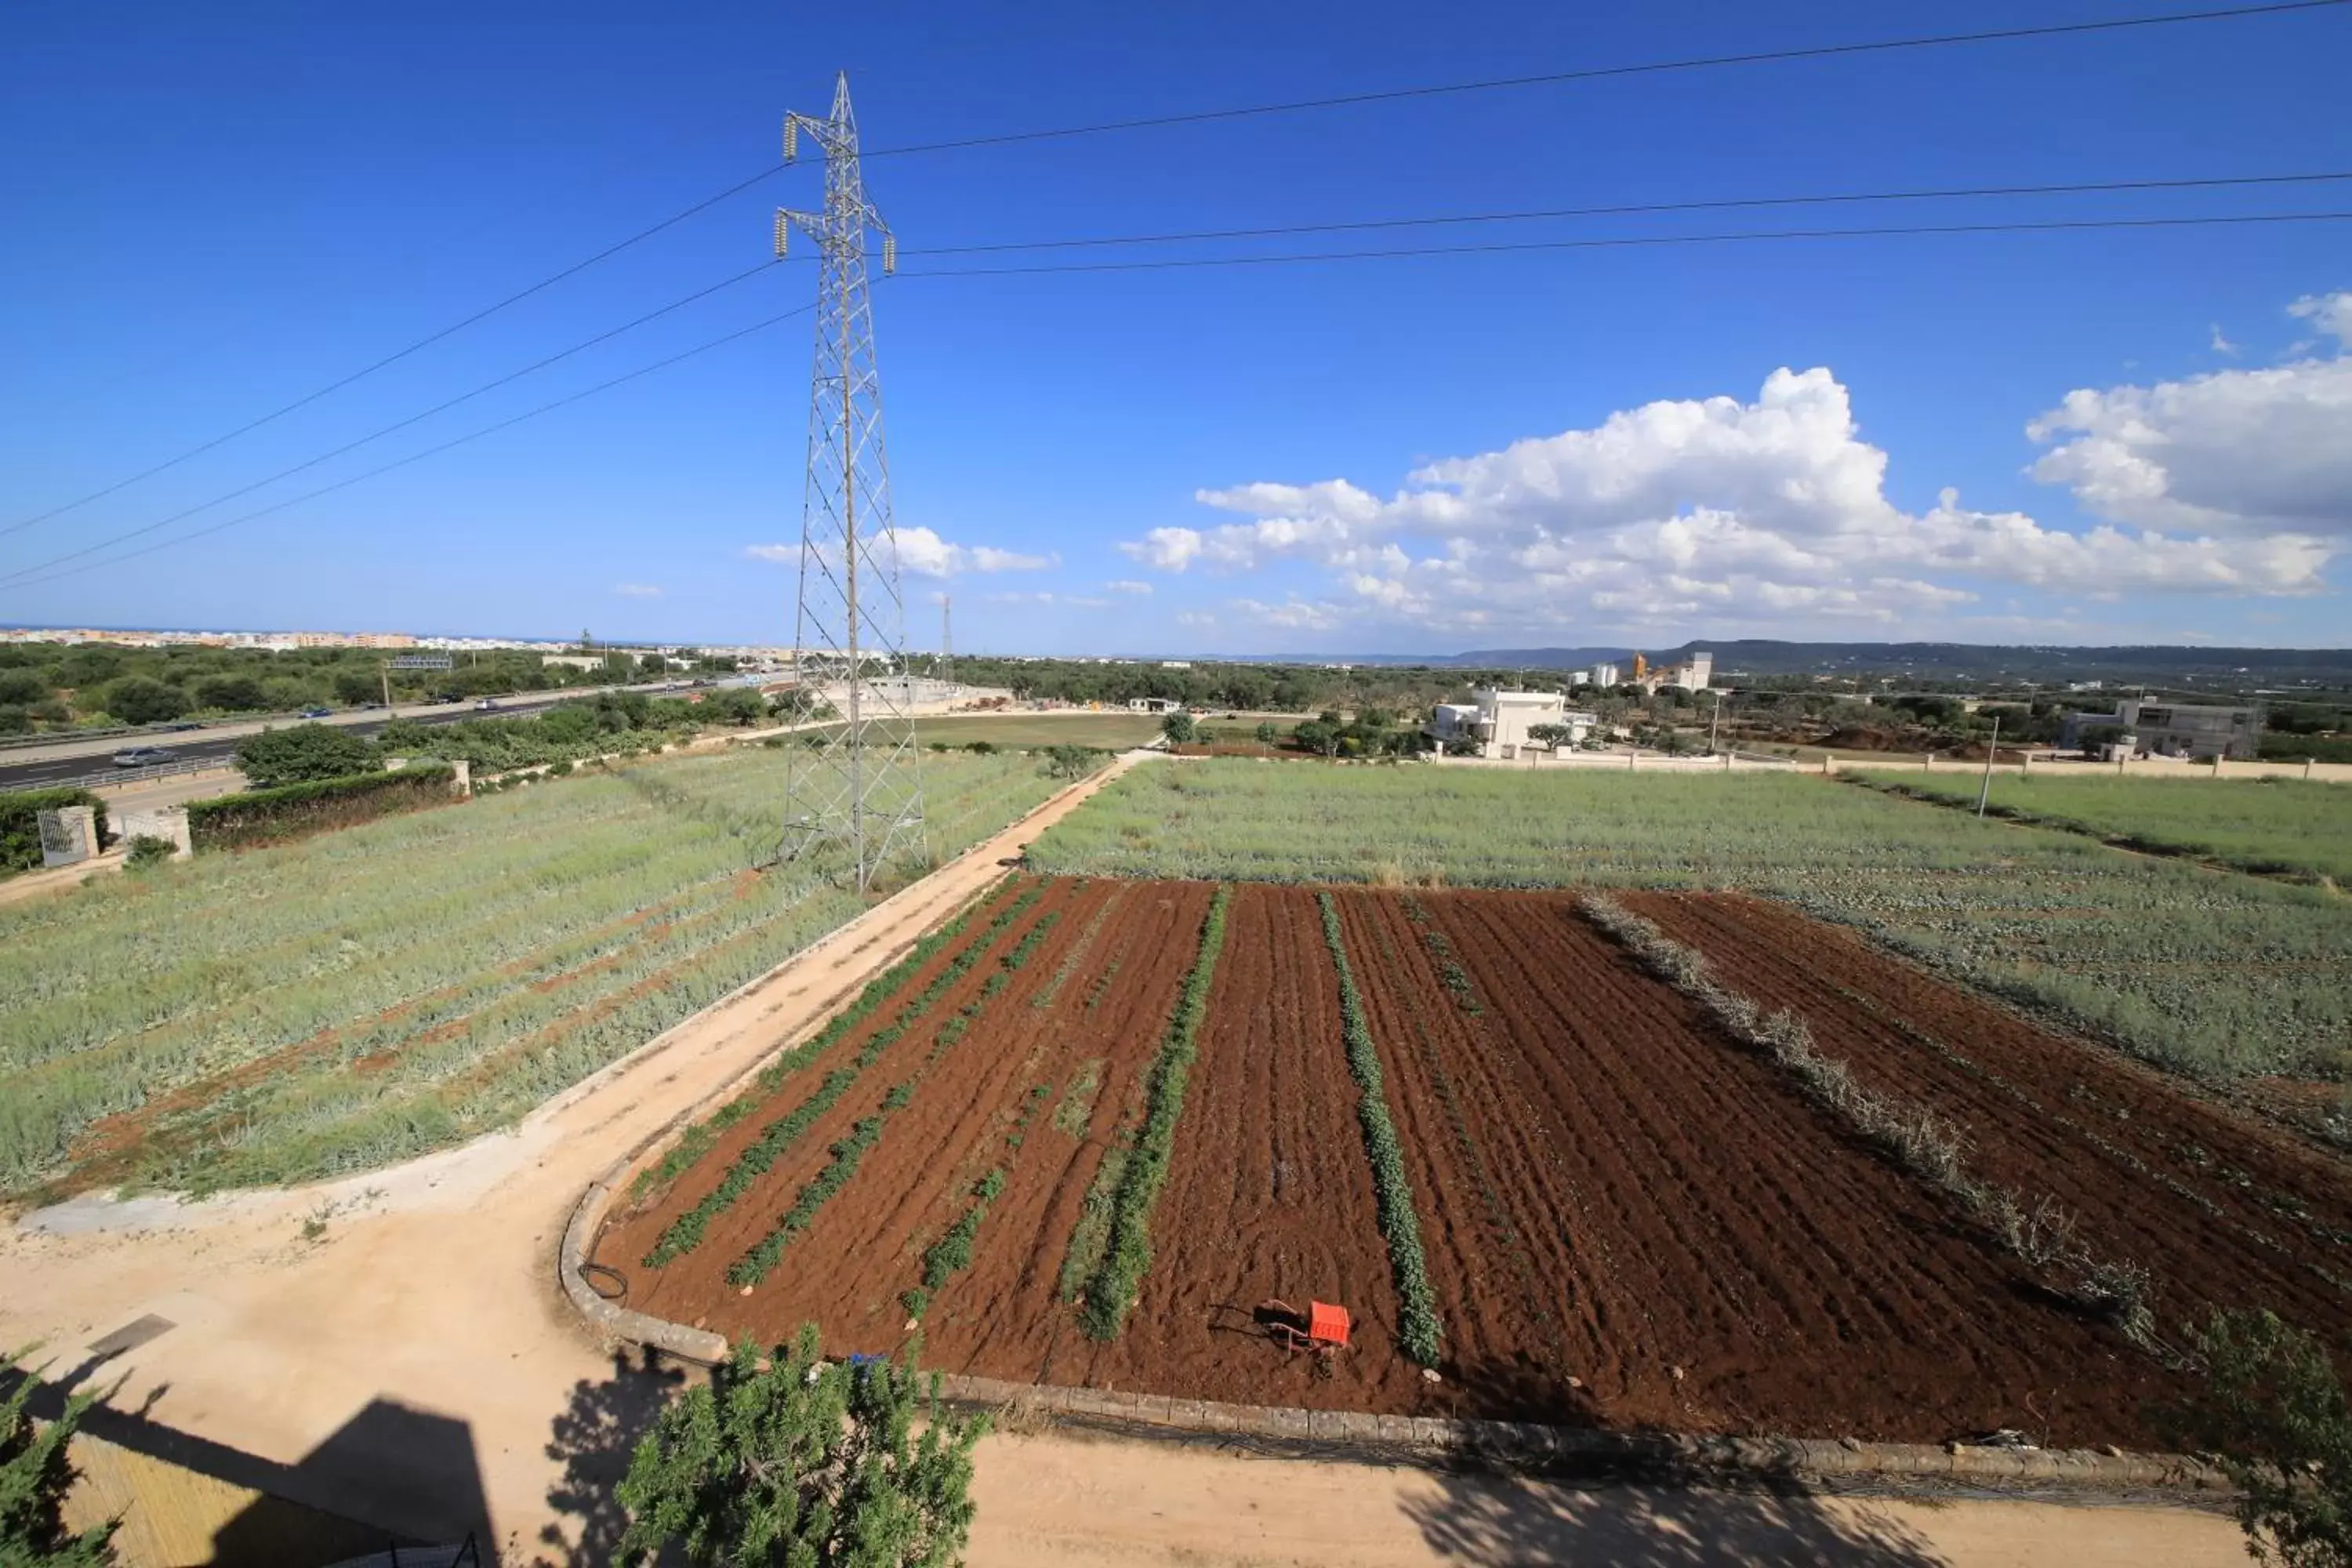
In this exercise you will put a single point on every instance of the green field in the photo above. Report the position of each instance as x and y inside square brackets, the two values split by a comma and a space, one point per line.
[363, 996]
[2256, 825]
[1103, 731]
[2205, 971]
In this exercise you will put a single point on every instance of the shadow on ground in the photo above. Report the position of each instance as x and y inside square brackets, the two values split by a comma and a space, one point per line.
[1494, 1519]
[593, 1438]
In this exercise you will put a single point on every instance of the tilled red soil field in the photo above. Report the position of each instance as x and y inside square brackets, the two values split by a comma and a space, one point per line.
[1628, 1218]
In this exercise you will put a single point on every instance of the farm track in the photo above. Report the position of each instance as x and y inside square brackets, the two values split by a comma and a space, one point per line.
[2225, 1212]
[1796, 1281]
[693, 1286]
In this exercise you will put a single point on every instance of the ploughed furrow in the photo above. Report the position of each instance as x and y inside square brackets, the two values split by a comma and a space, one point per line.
[1764, 1273]
[690, 1285]
[1269, 1195]
[1002, 1318]
[2224, 1214]
[846, 1271]
[1497, 1221]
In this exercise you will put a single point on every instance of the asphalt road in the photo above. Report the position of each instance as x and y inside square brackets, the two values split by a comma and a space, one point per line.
[197, 747]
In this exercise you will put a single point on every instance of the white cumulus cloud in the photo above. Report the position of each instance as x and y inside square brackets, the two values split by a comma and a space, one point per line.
[637, 590]
[1775, 512]
[922, 552]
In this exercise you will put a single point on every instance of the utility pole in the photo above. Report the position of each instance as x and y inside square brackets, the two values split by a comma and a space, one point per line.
[947, 644]
[861, 787]
[1984, 792]
[1712, 724]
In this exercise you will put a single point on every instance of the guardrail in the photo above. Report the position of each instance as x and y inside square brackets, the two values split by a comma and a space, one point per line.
[113, 776]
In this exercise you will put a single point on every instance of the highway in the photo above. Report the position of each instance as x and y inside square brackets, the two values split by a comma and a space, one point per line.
[195, 746]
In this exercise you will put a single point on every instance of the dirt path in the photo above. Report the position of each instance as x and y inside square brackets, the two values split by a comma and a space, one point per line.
[426, 1299]
[1049, 1502]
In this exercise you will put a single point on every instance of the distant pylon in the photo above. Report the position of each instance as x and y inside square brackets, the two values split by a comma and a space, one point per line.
[947, 644]
[859, 786]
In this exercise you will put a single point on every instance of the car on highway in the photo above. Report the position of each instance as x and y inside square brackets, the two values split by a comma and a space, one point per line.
[317, 713]
[486, 705]
[143, 756]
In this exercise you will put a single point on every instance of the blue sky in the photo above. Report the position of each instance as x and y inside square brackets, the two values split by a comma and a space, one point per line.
[2149, 433]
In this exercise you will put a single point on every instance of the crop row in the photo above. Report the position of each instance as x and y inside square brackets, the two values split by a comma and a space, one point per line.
[2041, 1235]
[686, 1233]
[412, 940]
[952, 1253]
[700, 1139]
[1127, 1244]
[754, 1265]
[1418, 1329]
[2200, 974]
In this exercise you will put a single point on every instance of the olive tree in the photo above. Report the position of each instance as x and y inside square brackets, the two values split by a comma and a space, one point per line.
[2273, 1408]
[35, 1474]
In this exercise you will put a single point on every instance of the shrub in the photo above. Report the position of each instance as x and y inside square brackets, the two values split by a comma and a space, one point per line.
[272, 815]
[303, 754]
[2272, 1408]
[787, 1457]
[20, 823]
[135, 700]
[146, 849]
[36, 1473]
[1177, 727]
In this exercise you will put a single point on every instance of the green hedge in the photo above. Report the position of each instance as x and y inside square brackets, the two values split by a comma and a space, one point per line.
[1417, 1324]
[20, 823]
[294, 810]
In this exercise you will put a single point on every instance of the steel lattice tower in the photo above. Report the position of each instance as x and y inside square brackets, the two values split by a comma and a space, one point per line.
[861, 787]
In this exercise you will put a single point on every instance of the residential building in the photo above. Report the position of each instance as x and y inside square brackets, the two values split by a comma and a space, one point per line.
[1605, 676]
[1497, 721]
[2170, 729]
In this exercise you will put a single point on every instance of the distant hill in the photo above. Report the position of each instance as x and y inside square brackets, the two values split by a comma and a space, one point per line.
[1961, 661]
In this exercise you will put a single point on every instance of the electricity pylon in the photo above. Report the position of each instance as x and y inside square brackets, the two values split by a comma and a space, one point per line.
[859, 783]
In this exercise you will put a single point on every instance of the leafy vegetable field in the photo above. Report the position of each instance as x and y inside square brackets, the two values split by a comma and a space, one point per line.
[354, 999]
[2204, 972]
[1522, 1160]
[2256, 825]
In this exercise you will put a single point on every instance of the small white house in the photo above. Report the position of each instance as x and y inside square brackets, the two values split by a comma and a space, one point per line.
[1497, 721]
[1154, 705]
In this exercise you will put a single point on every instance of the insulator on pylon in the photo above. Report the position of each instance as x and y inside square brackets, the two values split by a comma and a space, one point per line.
[783, 232]
[889, 254]
[792, 139]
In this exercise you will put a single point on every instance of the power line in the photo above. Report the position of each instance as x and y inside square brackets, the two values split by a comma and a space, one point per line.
[1824, 51]
[19, 580]
[1625, 211]
[377, 435]
[391, 359]
[25, 577]
[1627, 242]
[1600, 73]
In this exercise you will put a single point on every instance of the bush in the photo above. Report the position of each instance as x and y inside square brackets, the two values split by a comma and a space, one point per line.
[1069, 761]
[146, 849]
[788, 1458]
[295, 811]
[303, 754]
[1177, 727]
[233, 693]
[36, 1473]
[136, 700]
[2272, 1408]
[20, 823]
[23, 687]
[15, 720]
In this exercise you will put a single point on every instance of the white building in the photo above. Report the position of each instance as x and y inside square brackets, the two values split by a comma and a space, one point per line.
[1605, 676]
[1497, 723]
[1154, 705]
[1580, 677]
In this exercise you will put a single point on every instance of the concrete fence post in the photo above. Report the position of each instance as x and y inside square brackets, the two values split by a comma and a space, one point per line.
[461, 780]
[2306, 767]
[69, 836]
